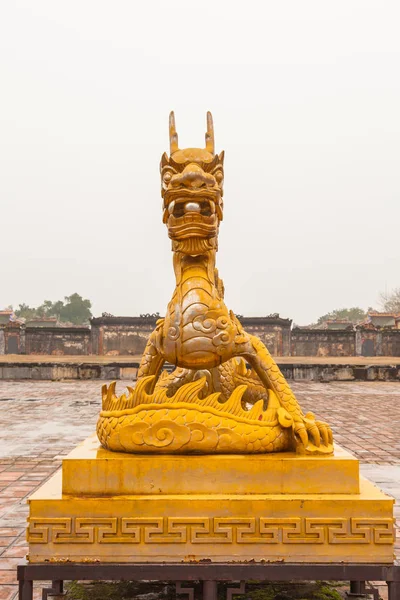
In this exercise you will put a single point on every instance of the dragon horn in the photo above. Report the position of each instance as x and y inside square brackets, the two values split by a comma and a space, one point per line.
[173, 136]
[210, 134]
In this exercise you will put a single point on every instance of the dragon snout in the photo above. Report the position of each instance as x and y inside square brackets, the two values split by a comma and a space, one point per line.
[193, 176]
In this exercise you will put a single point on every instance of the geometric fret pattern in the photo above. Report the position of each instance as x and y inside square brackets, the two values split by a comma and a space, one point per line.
[210, 530]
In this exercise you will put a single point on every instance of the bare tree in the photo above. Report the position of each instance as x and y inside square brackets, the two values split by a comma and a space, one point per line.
[390, 301]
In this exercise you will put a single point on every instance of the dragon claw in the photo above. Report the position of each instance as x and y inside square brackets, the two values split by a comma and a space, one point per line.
[313, 430]
[324, 431]
[313, 434]
[300, 430]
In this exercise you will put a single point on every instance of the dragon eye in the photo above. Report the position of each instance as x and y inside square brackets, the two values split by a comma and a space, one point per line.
[167, 176]
[219, 176]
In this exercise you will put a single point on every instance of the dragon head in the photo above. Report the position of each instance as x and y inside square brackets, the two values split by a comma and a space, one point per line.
[192, 181]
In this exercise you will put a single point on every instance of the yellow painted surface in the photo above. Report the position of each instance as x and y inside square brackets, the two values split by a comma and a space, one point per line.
[91, 470]
[206, 514]
[166, 527]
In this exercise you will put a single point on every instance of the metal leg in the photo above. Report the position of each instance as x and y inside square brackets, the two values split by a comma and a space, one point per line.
[58, 586]
[26, 590]
[232, 591]
[373, 591]
[357, 588]
[394, 590]
[55, 590]
[210, 590]
[184, 590]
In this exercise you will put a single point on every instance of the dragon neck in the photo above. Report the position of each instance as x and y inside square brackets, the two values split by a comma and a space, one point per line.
[188, 269]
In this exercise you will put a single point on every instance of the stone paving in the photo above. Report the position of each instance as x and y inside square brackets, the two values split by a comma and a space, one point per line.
[43, 421]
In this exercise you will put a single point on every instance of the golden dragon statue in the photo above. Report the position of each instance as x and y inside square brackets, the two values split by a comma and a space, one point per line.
[212, 402]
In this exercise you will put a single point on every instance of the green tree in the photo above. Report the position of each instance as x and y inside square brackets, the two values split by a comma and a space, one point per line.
[354, 315]
[51, 309]
[25, 311]
[74, 309]
[45, 309]
[391, 301]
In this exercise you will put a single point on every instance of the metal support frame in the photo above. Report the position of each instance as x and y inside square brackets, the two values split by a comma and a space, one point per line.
[189, 591]
[57, 588]
[357, 589]
[208, 573]
[232, 591]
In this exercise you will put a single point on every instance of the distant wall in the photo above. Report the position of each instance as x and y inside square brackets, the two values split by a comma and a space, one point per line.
[48, 369]
[57, 340]
[326, 342]
[390, 343]
[368, 342]
[273, 331]
[114, 336]
[12, 338]
[358, 342]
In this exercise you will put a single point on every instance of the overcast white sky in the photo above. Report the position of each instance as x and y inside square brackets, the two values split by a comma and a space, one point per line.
[306, 103]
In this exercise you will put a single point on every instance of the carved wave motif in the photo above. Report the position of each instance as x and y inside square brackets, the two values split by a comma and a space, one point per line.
[143, 422]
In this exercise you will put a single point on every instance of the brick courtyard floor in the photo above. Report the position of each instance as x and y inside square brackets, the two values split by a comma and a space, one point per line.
[43, 421]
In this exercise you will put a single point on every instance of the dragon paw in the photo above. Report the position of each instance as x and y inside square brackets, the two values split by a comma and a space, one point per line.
[312, 436]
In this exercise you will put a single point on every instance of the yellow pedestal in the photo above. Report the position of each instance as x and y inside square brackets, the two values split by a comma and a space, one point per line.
[91, 470]
[113, 507]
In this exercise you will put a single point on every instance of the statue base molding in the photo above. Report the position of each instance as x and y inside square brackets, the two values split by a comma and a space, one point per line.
[93, 470]
[111, 507]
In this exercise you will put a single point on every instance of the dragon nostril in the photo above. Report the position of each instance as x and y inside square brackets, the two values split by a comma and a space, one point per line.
[195, 182]
[193, 179]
